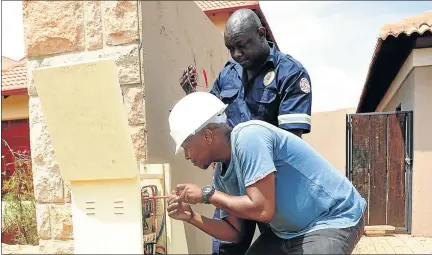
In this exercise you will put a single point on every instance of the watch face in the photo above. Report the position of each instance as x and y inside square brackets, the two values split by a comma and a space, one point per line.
[207, 189]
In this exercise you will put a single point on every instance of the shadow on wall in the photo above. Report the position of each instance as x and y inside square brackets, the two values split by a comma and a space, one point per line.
[175, 35]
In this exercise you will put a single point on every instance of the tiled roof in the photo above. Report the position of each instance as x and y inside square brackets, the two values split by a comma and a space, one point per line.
[217, 5]
[212, 7]
[416, 24]
[410, 27]
[8, 63]
[14, 78]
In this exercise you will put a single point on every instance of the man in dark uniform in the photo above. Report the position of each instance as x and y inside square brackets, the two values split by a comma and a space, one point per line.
[258, 83]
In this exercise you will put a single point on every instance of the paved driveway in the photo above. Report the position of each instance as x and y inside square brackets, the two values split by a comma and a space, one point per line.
[394, 244]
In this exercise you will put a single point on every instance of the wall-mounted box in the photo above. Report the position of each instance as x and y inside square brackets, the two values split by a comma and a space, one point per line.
[86, 119]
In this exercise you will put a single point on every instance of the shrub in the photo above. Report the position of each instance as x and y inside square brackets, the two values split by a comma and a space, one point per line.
[19, 213]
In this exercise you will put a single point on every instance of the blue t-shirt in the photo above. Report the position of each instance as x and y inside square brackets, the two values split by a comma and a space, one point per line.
[311, 193]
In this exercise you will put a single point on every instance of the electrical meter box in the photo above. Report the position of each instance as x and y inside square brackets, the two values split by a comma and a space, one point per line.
[86, 118]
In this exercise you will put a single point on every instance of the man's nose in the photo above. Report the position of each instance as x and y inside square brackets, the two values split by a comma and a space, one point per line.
[186, 152]
[237, 53]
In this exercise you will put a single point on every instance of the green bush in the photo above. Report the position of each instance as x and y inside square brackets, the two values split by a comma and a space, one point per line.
[19, 214]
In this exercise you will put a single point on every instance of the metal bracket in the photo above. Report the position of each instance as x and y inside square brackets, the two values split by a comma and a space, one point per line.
[408, 160]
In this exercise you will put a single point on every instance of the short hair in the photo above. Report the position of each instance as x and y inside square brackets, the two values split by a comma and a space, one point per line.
[242, 21]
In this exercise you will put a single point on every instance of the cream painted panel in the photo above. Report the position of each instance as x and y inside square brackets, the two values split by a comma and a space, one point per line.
[86, 119]
[107, 217]
[87, 122]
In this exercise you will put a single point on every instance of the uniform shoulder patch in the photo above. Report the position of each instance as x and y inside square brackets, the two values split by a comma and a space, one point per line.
[268, 78]
[305, 85]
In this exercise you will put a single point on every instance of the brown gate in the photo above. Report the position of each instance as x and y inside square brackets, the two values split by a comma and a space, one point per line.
[379, 165]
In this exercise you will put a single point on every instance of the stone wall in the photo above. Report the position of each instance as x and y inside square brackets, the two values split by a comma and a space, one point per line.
[59, 32]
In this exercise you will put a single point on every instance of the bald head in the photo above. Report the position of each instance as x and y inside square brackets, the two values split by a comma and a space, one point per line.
[242, 21]
[245, 38]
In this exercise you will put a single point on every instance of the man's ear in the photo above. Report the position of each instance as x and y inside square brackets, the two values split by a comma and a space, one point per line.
[208, 136]
[262, 32]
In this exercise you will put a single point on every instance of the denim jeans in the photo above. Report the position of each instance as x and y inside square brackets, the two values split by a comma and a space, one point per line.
[325, 241]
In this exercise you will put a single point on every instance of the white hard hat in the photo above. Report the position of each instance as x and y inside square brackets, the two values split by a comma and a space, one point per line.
[193, 112]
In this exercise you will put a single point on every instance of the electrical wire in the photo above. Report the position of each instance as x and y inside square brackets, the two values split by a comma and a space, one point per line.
[150, 209]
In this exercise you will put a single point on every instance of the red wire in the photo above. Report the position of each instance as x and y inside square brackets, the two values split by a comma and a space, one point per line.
[153, 198]
[205, 78]
[161, 247]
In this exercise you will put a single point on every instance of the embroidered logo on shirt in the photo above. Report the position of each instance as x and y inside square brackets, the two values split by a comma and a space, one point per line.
[268, 78]
[304, 85]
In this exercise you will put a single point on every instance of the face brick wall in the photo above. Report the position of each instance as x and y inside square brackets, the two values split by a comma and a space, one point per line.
[60, 32]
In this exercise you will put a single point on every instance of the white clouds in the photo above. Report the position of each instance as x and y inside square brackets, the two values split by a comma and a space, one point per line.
[12, 30]
[332, 88]
[314, 38]
[334, 41]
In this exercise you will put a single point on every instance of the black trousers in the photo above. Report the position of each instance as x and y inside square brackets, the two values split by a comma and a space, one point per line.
[223, 248]
[326, 241]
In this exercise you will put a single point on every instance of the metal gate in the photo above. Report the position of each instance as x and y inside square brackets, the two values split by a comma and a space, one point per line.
[379, 164]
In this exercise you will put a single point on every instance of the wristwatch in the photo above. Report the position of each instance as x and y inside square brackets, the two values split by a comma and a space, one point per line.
[207, 192]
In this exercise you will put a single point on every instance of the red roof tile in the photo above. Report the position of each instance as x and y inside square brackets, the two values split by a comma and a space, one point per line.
[14, 78]
[217, 5]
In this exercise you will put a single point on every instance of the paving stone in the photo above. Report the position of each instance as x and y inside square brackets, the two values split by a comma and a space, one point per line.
[394, 244]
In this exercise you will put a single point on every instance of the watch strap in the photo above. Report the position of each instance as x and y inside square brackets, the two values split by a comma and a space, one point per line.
[207, 192]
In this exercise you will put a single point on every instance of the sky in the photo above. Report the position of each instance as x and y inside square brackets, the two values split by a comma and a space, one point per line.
[12, 30]
[333, 40]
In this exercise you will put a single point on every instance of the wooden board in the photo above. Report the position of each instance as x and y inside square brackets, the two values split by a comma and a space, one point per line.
[360, 157]
[378, 148]
[396, 170]
[378, 169]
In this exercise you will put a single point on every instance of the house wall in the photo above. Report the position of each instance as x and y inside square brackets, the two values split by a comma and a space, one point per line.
[219, 20]
[404, 96]
[64, 32]
[177, 41]
[15, 107]
[411, 88]
[329, 128]
[151, 42]
[422, 167]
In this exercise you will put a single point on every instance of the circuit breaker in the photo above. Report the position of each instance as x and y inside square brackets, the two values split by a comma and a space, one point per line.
[83, 108]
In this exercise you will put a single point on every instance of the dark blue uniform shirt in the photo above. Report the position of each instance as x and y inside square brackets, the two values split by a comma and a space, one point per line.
[279, 94]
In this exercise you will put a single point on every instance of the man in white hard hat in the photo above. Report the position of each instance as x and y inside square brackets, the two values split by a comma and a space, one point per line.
[259, 82]
[266, 174]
